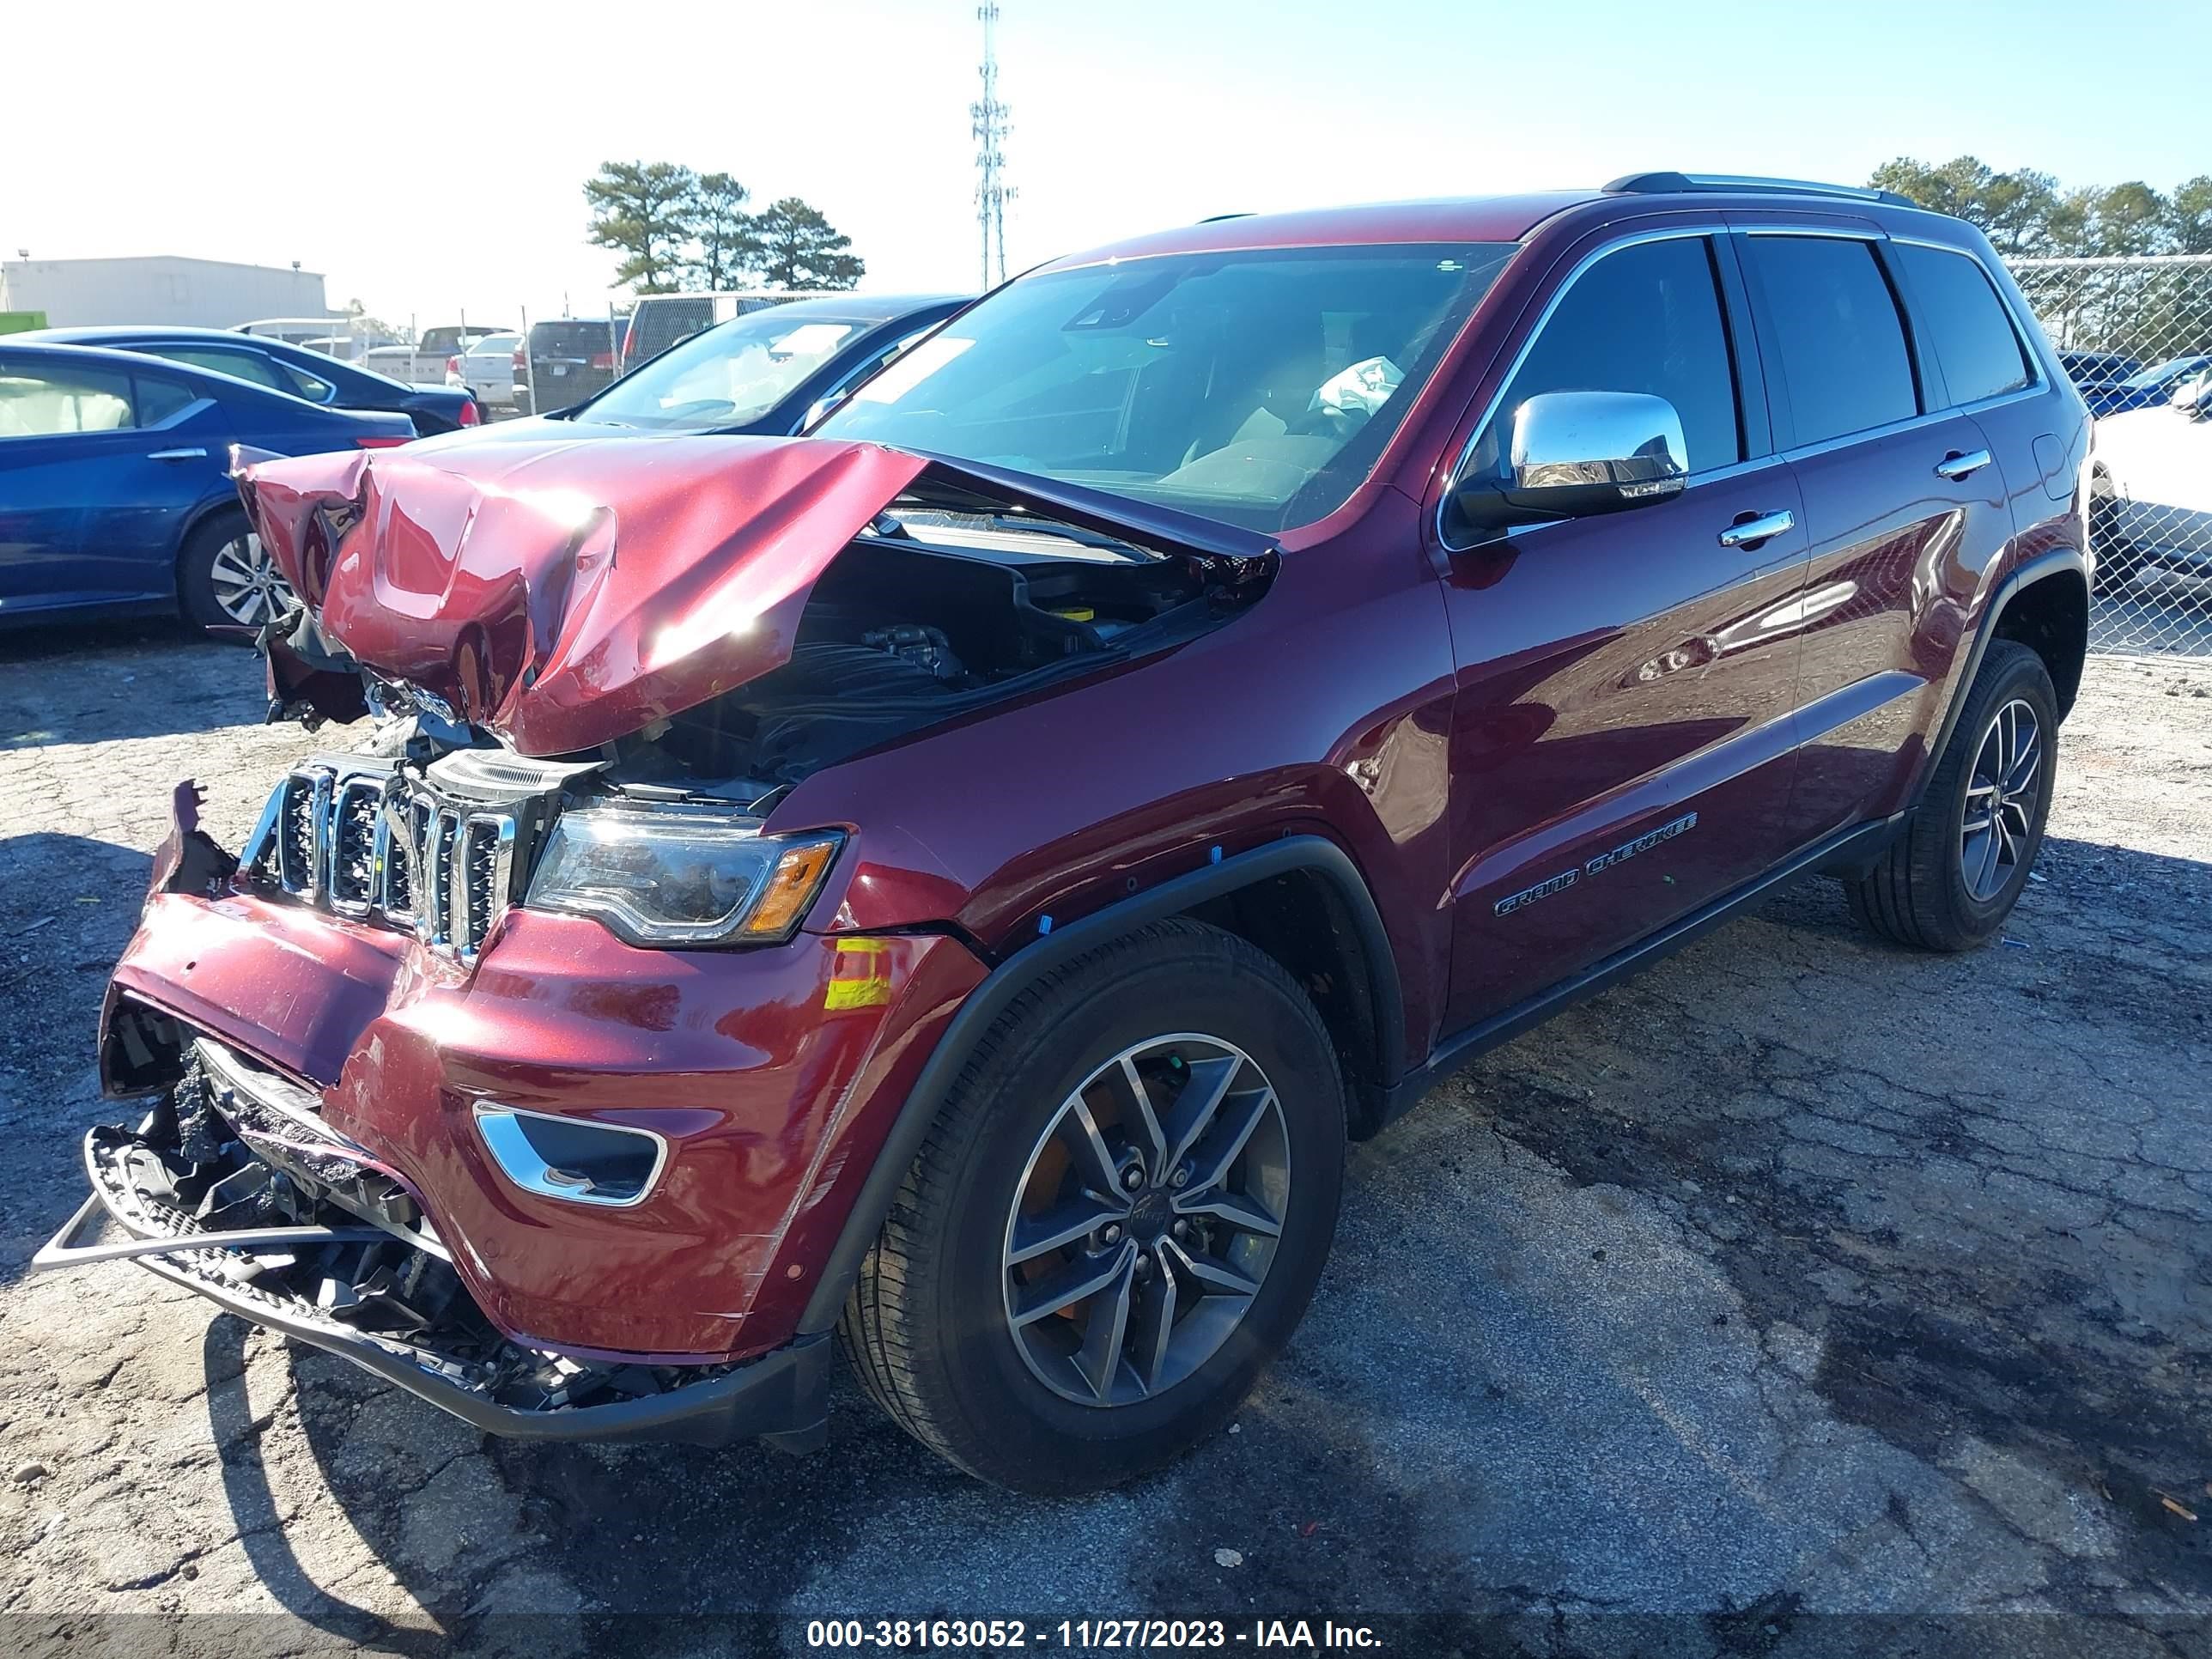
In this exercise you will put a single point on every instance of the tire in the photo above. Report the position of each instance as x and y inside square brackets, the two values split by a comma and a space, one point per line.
[1937, 886]
[933, 1327]
[220, 551]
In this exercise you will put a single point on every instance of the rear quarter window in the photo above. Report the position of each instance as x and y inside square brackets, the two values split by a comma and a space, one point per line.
[250, 366]
[1974, 340]
[1829, 316]
[161, 398]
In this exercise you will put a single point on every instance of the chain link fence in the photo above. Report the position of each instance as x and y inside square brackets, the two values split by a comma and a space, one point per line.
[2135, 333]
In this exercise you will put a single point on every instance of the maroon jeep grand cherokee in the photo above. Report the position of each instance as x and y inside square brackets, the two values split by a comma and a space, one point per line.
[955, 880]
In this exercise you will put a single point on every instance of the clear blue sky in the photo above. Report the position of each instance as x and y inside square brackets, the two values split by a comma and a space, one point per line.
[228, 132]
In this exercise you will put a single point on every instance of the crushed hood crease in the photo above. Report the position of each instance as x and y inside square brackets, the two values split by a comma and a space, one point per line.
[562, 593]
[565, 593]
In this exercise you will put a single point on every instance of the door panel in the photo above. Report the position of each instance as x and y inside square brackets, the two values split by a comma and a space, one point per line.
[142, 491]
[1623, 744]
[1896, 547]
[45, 482]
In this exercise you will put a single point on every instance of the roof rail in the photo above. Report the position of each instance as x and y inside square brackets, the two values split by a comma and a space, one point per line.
[1220, 218]
[1672, 184]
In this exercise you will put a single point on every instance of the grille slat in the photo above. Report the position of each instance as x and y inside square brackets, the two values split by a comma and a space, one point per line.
[387, 848]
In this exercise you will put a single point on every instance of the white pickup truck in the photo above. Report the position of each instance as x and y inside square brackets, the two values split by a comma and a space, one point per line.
[423, 363]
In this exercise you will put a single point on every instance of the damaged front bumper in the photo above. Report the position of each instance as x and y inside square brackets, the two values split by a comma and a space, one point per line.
[223, 1193]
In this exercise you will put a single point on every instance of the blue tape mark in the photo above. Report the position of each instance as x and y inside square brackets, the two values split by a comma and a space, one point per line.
[1044, 925]
[1216, 857]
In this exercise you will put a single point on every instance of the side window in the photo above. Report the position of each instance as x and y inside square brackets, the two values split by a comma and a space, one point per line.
[1645, 318]
[39, 399]
[313, 388]
[1973, 337]
[159, 398]
[1836, 330]
[239, 365]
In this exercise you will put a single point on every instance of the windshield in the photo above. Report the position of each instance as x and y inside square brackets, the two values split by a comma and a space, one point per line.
[727, 375]
[2172, 369]
[1255, 387]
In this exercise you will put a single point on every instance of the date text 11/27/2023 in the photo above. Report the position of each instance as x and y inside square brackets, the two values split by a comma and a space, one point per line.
[999, 1635]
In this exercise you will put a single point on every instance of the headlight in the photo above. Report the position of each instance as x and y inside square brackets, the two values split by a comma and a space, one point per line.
[680, 875]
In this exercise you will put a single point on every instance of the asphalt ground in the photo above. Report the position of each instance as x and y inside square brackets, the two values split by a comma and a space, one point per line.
[1804, 1295]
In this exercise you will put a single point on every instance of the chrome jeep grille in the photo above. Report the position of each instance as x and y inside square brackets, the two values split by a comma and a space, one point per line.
[384, 847]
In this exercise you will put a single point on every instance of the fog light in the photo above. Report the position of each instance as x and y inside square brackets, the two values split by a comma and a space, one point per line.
[573, 1158]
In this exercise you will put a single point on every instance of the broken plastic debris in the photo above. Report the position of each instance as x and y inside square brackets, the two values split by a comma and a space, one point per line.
[1230, 1557]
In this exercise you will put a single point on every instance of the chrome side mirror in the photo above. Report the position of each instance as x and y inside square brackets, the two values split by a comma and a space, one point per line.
[1575, 454]
[1578, 452]
[2193, 395]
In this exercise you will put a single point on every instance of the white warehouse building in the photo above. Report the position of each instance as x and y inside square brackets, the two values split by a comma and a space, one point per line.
[158, 288]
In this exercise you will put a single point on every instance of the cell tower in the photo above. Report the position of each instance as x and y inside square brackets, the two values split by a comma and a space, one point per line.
[991, 192]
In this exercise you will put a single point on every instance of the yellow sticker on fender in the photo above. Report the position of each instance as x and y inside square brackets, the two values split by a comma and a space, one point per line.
[860, 977]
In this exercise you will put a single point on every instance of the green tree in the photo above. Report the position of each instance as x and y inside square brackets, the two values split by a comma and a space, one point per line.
[801, 249]
[2016, 210]
[2129, 218]
[2191, 209]
[2027, 213]
[639, 209]
[725, 245]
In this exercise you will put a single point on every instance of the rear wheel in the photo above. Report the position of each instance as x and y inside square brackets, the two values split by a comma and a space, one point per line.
[1950, 878]
[1116, 1220]
[226, 577]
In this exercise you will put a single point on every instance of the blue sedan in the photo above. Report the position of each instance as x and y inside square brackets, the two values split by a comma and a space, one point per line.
[115, 493]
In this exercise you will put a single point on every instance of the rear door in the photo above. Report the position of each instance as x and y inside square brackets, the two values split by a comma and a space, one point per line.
[1621, 744]
[1904, 505]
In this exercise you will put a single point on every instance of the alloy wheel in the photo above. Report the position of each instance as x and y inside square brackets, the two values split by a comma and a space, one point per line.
[246, 581]
[2001, 796]
[1145, 1219]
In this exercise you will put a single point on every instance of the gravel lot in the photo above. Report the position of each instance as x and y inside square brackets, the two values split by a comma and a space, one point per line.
[1802, 1296]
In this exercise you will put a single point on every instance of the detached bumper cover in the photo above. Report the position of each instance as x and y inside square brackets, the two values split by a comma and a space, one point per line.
[264, 1275]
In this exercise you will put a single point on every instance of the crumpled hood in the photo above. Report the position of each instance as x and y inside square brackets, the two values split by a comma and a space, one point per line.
[562, 592]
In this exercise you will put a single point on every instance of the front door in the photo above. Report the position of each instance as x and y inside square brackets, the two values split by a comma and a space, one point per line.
[67, 432]
[1622, 734]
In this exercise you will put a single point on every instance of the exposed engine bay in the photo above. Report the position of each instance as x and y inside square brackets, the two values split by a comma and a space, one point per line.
[909, 628]
[930, 613]
[592, 699]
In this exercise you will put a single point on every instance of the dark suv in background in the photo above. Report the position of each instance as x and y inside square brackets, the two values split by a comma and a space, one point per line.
[659, 322]
[956, 879]
[565, 360]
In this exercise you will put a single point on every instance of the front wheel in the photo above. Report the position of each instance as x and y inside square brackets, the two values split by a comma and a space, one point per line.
[1952, 876]
[1116, 1220]
[227, 578]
